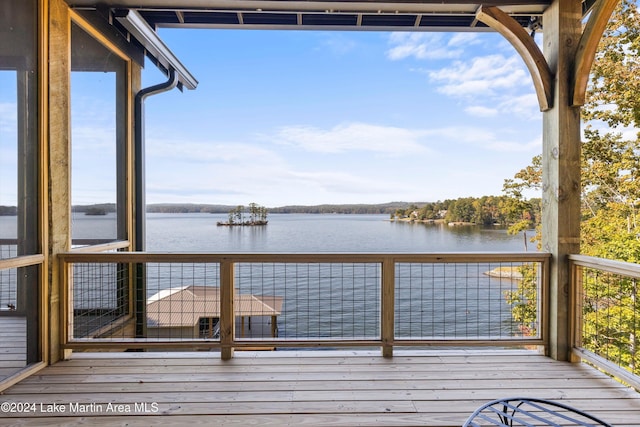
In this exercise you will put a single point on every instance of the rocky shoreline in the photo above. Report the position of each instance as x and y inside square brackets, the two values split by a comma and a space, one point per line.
[505, 273]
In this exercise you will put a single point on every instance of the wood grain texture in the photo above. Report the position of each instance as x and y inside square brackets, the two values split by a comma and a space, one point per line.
[561, 168]
[589, 41]
[309, 388]
[526, 46]
[59, 167]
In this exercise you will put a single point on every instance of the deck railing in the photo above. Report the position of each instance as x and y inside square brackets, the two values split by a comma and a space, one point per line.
[235, 301]
[20, 277]
[607, 315]
[16, 274]
[15, 268]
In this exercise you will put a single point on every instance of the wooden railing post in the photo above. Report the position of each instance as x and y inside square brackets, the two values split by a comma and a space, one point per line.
[561, 168]
[575, 319]
[387, 316]
[227, 310]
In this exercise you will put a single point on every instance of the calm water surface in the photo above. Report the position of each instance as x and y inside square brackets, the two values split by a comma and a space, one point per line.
[321, 233]
[296, 233]
[333, 300]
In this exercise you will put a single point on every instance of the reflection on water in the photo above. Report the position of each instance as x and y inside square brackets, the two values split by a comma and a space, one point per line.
[321, 233]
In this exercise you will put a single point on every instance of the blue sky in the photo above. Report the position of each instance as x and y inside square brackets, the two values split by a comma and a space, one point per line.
[284, 117]
[304, 117]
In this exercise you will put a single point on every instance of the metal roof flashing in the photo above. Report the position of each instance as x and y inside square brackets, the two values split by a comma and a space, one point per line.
[136, 25]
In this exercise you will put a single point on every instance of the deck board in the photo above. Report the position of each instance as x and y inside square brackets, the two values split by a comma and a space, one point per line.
[13, 347]
[306, 389]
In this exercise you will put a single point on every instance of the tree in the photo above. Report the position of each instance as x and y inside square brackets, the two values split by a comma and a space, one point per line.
[524, 300]
[462, 210]
[611, 161]
[615, 75]
[610, 191]
[523, 214]
[257, 215]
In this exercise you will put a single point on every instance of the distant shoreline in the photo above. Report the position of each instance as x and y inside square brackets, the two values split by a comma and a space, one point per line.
[421, 221]
[347, 208]
[432, 221]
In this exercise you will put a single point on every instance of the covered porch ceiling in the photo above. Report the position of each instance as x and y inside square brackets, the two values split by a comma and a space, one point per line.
[373, 15]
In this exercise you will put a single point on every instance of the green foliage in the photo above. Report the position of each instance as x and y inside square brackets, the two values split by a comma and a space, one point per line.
[611, 162]
[610, 195]
[615, 75]
[523, 214]
[524, 300]
[610, 310]
[257, 215]
[485, 210]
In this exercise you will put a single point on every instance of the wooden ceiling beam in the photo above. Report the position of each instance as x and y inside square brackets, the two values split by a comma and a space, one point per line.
[588, 46]
[526, 47]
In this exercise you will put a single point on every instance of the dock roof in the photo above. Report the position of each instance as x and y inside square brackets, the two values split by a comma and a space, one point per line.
[185, 306]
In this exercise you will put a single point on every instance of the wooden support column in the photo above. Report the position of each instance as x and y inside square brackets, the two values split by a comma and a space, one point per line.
[58, 166]
[561, 168]
[274, 326]
[388, 306]
[227, 310]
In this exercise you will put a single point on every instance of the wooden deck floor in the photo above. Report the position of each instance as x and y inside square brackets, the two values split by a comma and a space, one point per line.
[304, 389]
[13, 345]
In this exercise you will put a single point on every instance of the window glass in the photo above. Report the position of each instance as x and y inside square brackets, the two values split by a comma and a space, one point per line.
[19, 182]
[8, 164]
[97, 141]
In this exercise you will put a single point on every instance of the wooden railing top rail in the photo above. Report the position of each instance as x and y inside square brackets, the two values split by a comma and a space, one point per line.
[387, 338]
[14, 241]
[103, 247]
[322, 257]
[21, 261]
[618, 267]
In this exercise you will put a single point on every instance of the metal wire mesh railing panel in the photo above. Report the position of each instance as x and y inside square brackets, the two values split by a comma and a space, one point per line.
[100, 295]
[458, 301]
[9, 289]
[610, 316]
[183, 301]
[339, 301]
[8, 248]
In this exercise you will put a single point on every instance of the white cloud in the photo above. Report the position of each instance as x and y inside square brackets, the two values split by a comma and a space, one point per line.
[212, 172]
[352, 137]
[422, 46]
[525, 106]
[482, 138]
[191, 151]
[339, 182]
[277, 174]
[483, 75]
[239, 173]
[462, 39]
[480, 111]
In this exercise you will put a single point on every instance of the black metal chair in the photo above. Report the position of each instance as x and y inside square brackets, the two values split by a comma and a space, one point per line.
[524, 411]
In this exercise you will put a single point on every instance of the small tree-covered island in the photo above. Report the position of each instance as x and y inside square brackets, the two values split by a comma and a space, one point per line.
[238, 216]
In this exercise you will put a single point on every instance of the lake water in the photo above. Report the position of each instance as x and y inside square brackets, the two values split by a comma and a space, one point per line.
[331, 300]
[321, 233]
[341, 301]
[296, 233]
